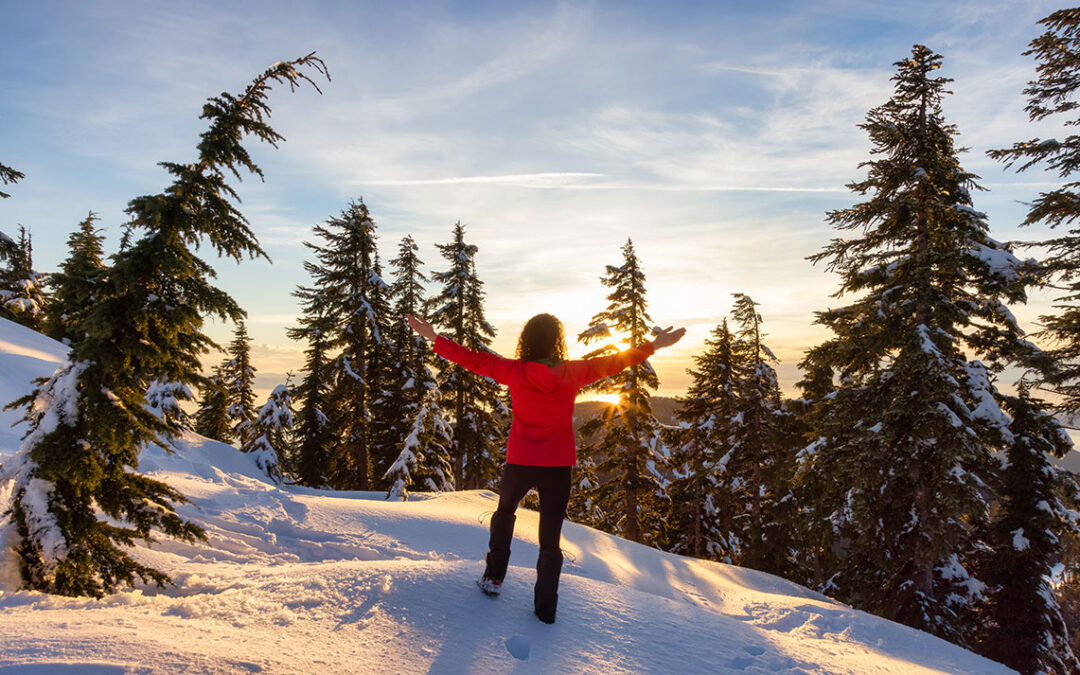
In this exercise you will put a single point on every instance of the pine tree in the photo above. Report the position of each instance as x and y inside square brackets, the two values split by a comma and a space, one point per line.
[758, 471]
[1026, 630]
[76, 285]
[382, 374]
[630, 458]
[349, 289]
[1052, 96]
[89, 421]
[212, 417]
[907, 439]
[22, 298]
[814, 547]
[238, 377]
[479, 413]
[700, 444]
[164, 399]
[268, 441]
[8, 248]
[314, 430]
[413, 420]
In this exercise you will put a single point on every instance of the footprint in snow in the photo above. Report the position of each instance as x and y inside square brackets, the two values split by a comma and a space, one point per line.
[519, 647]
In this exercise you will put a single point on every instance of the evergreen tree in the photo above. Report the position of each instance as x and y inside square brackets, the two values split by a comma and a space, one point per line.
[314, 430]
[630, 458]
[1052, 96]
[7, 244]
[164, 399]
[479, 413]
[349, 289]
[758, 471]
[413, 420]
[76, 285]
[270, 434]
[1026, 630]
[22, 298]
[907, 439]
[212, 417]
[89, 421]
[700, 445]
[238, 377]
[814, 547]
[382, 373]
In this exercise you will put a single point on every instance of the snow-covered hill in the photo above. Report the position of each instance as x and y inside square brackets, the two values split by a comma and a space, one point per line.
[297, 580]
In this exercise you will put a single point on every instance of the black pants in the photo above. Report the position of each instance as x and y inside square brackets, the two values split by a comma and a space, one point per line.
[553, 484]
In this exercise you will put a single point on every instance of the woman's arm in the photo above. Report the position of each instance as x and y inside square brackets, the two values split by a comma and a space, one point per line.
[481, 363]
[606, 366]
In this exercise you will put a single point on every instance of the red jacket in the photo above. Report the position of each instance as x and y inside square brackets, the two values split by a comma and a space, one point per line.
[542, 431]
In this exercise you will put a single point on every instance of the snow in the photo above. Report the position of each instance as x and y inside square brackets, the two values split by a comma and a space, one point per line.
[294, 579]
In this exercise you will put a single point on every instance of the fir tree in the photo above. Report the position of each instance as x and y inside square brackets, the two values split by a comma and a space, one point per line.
[268, 440]
[212, 417]
[314, 430]
[89, 421]
[479, 412]
[699, 513]
[906, 440]
[413, 419]
[76, 285]
[630, 458]
[383, 374]
[1052, 96]
[22, 298]
[164, 399]
[758, 470]
[8, 175]
[238, 377]
[349, 289]
[1026, 630]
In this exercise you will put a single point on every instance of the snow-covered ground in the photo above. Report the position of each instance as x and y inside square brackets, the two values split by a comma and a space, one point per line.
[297, 580]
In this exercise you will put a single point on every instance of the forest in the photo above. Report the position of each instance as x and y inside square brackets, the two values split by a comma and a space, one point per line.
[905, 478]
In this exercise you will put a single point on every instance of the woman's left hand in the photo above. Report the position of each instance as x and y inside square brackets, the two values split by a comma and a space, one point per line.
[421, 326]
[667, 337]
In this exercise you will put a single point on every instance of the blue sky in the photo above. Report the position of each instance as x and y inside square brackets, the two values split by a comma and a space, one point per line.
[715, 134]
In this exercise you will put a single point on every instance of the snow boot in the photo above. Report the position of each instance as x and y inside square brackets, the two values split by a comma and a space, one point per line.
[498, 556]
[546, 592]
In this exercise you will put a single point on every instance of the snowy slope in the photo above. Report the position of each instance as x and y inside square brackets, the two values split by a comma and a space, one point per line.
[301, 580]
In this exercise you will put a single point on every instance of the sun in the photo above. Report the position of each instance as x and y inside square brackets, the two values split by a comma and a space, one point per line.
[612, 399]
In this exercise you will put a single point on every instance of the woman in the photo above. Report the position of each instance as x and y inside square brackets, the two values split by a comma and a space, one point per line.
[541, 449]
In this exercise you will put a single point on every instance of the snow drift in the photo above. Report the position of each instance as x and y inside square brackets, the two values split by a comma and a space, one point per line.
[299, 580]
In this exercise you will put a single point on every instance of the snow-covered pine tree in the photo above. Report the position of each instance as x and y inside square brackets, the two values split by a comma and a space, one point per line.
[382, 372]
[22, 296]
[349, 286]
[630, 458]
[75, 286]
[1025, 627]
[700, 513]
[89, 421]
[314, 431]
[1053, 96]
[478, 410]
[907, 439]
[268, 441]
[238, 377]
[759, 469]
[7, 244]
[814, 533]
[212, 417]
[164, 399]
[413, 416]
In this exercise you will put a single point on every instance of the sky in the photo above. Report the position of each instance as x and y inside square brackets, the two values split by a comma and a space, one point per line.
[714, 135]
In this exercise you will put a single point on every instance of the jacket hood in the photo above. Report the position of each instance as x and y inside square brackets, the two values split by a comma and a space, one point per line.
[542, 377]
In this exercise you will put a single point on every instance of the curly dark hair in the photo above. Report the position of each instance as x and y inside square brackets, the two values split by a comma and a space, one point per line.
[542, 340]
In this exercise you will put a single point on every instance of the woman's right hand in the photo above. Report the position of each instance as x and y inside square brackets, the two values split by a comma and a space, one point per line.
[423, 327]
[666, 337]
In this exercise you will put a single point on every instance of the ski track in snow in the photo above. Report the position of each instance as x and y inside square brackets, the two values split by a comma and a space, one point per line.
[300, 580]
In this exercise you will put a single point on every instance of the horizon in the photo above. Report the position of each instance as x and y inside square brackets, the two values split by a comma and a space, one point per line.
[716, 137]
